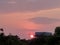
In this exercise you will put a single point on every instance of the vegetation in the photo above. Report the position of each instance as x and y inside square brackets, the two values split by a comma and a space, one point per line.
[43, 40]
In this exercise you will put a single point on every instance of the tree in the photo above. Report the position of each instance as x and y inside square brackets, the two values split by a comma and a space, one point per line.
[1, 29]
[57, 31]
[55, 39]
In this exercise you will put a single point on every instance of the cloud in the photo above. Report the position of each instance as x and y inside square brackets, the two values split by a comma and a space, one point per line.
[12, 2]
[43, 20]
[27, 5]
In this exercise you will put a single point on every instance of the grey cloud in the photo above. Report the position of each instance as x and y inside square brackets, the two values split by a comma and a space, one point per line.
[25, 5]
[43, 20]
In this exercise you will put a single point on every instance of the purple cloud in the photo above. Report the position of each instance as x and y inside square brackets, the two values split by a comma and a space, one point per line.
[26, 5]
[43, 20]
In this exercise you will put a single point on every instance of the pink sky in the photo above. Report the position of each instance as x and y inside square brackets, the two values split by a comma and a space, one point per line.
[23, 17]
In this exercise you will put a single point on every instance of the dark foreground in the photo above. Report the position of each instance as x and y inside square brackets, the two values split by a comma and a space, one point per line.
[38, 40]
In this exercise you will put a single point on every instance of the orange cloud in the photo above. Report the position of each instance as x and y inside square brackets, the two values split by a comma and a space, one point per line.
[19, 19]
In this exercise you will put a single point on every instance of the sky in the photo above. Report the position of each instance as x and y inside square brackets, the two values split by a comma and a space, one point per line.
[24, 17]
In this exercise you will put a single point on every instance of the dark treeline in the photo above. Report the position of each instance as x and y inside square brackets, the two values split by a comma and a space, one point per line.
[39, 40]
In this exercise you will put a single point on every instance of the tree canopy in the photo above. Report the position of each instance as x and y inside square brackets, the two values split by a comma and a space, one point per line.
[42, 40]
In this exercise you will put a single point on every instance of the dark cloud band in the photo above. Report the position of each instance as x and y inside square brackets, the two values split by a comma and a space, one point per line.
[43, 20]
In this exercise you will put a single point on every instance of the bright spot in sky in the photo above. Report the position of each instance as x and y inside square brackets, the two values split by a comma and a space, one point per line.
[32, 36]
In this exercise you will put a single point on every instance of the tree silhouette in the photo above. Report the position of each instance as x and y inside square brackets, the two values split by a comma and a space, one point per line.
[38, 40]
[1, 29]
[57, 31]
[55, 39]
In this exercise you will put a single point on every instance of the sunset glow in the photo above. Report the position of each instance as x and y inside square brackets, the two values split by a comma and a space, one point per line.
[32, 36]
[26, 16]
